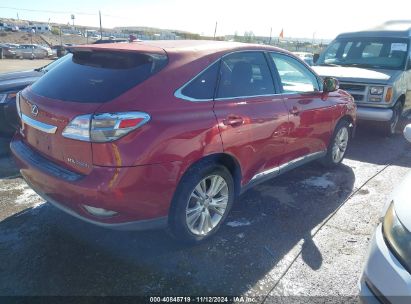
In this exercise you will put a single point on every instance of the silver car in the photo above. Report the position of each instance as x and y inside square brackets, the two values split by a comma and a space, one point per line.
[387, 272]
[33, 51]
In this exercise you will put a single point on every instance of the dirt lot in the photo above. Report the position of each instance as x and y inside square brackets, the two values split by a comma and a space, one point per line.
[304, 233]
[14, 65]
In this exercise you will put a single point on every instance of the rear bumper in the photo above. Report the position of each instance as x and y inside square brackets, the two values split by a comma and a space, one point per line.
[384, 277]
[374, 114]
[157, 223]
[141, 195]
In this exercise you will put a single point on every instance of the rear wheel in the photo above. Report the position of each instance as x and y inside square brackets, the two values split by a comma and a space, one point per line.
[202, 201]
[390, 127]
[338, 145]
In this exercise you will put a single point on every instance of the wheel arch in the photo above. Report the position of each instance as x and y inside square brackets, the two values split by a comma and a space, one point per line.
[224, 159]
[350, 120]
[401, 99]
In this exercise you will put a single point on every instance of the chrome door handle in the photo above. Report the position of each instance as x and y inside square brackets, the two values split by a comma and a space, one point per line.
[295, 111]
[233, 121]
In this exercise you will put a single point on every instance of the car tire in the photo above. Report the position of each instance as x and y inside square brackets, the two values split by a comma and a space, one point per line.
[338, 145]
[389, 128]
[195, 214]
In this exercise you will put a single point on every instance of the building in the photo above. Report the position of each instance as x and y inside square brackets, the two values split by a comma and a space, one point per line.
[41, 28]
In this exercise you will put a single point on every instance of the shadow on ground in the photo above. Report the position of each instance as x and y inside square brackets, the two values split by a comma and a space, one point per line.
[43, 251]
[370, 146]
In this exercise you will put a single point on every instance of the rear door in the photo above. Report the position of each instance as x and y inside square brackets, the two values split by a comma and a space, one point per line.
[79, 86]
[311, 112]
[252, 117]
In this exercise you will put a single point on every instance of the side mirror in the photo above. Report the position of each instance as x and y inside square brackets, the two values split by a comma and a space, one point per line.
[407, 132]
[315, 57]
[330, 84]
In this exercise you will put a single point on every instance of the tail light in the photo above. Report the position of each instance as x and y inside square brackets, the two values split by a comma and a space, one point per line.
[104, 127]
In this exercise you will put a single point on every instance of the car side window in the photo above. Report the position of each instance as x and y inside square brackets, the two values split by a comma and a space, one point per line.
[245, 74]
[202, 87]
[295, 77]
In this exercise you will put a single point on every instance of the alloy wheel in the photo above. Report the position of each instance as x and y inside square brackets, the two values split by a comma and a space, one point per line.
[207, 204]
[340, 145]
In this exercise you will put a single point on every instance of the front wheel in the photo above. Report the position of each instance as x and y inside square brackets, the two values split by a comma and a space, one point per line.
[202, 201]
[390, 127]
[338, 145]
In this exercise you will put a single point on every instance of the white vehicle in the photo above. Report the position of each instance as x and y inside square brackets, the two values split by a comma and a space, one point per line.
[33, 51]
[306, 56]
[387, 273]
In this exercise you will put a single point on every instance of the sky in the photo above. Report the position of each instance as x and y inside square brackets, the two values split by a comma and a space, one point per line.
[322, 19]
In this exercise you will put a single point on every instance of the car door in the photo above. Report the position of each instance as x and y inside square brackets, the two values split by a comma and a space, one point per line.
[252, 118]
[311, 112]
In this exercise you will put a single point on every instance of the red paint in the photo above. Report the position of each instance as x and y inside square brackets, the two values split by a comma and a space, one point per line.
[137, 175]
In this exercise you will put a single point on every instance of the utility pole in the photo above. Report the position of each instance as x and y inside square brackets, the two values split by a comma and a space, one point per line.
[101, 28]
[61, 40]
[215, 29]
[271, 32]
[312, 44]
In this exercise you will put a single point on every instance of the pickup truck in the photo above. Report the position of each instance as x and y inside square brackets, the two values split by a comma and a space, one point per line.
[375, 68]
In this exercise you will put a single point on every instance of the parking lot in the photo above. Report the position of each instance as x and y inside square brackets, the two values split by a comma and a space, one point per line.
[304, 233]
[14, 65]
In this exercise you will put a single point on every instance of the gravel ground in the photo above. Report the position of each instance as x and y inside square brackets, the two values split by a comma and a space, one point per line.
[14, 65]
[303, 233]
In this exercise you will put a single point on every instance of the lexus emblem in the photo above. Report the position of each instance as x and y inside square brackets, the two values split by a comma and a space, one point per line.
[34, 110]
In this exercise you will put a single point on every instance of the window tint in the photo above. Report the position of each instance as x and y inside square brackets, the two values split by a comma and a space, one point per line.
[203, 86]
[332, 51]
[372, 50]
[245, 74]
[97, 77]
[295, 77]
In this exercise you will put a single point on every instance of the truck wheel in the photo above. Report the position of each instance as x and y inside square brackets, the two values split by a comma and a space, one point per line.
[338, 145]
[389, 127]
[201, 203]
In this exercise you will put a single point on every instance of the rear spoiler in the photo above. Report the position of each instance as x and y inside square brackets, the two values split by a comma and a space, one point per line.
[139, 47]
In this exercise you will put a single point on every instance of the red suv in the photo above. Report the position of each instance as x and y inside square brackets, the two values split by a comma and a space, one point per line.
[168, 133]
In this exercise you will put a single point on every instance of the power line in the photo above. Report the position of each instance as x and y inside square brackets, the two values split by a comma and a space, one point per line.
[55, 12]
[46, 11]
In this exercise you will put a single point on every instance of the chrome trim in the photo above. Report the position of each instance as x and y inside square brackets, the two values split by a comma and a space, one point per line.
[289, 165]
[50, 129]
[241, 97]
[180, 95]
[374, 114]
[18, 104]
[266, 172]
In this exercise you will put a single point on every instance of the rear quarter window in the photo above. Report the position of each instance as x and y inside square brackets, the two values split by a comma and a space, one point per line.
[98, 76]
[202, 87]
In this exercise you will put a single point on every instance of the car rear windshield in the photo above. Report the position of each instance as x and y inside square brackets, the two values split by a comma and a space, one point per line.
[98, 76]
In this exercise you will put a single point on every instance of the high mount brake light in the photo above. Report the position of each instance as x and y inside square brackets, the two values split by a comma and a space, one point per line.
[105, 127]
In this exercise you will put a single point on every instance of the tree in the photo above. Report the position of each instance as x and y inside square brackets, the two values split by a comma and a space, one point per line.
[249, 37]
